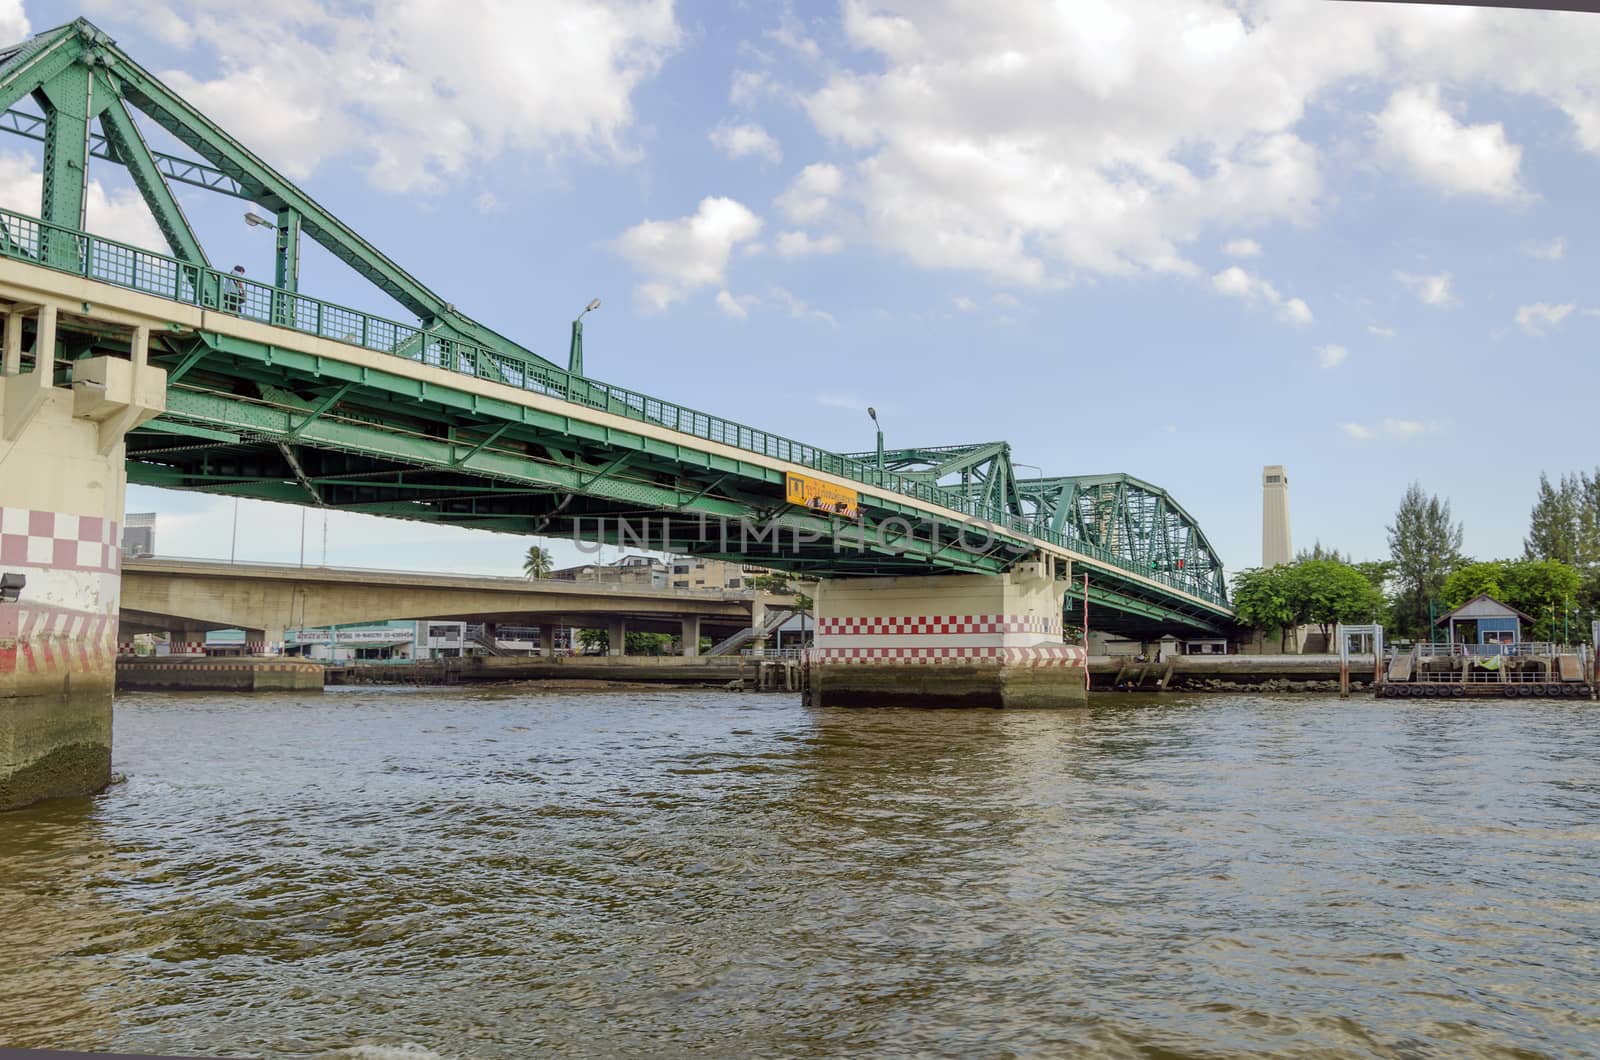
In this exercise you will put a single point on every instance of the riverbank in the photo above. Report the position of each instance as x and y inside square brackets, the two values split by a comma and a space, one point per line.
[1228, 673]
[1314, 674]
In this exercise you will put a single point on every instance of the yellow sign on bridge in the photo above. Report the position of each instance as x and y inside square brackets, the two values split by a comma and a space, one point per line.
[822, 496]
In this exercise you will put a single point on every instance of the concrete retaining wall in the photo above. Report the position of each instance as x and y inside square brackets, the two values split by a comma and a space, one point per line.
[658, 669]
[1231, 673]
[218, 675]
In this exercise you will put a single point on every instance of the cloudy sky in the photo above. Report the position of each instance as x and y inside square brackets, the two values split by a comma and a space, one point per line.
[1178, 238]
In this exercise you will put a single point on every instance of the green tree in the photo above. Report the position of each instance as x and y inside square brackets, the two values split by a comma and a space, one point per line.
[1318, 552]
[1565, 521]
[1473, 579]
[1376, 571]
[1425, 544]
[648, 643]
[594, 639]
[1553, 523]
[537, 563]
[1262, 600]
[1546, 590]
[1327, 592]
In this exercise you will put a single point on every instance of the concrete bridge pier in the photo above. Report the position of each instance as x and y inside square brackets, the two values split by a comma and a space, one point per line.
[691, 636]
[61, 498]
[617, 637]
[264, 640]
[187, 640]
[960, 640]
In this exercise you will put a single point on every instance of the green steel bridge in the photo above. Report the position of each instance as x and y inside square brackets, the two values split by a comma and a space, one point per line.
[278, 395]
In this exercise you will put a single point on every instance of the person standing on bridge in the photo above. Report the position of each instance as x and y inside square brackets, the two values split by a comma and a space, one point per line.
[237, 296]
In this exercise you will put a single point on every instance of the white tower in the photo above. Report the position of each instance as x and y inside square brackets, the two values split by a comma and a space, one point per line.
[1275, 546]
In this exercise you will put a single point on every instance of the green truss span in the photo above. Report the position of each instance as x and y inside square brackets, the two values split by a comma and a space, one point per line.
[262, 420]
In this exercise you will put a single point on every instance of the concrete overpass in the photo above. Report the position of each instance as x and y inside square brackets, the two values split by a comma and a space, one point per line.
[188, 597]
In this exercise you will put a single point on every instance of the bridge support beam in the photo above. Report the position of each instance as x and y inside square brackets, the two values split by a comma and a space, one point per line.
[691, 636]
[969, 640]
[617, 637]
[61, 497]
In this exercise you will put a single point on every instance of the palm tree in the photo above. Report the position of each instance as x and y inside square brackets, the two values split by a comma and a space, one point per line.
[537, 563]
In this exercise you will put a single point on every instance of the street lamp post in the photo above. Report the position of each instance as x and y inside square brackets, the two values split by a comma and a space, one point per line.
[1038, 515]
[874, 414]
[575, 353]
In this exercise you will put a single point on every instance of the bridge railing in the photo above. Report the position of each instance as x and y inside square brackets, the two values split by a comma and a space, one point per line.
[108, 261]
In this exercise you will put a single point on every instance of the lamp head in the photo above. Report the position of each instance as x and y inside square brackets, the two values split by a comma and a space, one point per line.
[594, 303]
[255, 220]
[11, 586]
[873, 413]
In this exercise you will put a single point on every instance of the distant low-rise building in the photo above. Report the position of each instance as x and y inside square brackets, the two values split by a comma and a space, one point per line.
[698, 572]
[630, 570]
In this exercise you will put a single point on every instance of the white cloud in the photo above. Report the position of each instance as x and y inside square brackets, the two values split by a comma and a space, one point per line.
[118, 214]
[1434, 290]
[796, 307]
[792, 35]
[1380, 331]
[1540, 317]
[777, 300]
[419, 93]
[1242, 248]
[14, 25]
[687, 254]
[1550, 250]
[963, 303]
[1397, 429]
[1331, 356]
[1414, 128]
[807, 197]
[791, 245]
[748, 87]
[1236, 283]
[740, 141]
[1010, 301]
[1408, 428]
[1039, 142]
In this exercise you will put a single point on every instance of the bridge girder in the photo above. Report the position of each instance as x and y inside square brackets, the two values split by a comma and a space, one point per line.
[76, 74]
[254, 416]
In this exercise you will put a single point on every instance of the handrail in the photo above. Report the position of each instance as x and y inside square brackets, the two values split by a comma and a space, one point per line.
[70, 250]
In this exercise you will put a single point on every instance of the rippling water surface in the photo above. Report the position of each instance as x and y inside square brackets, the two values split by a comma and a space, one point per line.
[498, 873]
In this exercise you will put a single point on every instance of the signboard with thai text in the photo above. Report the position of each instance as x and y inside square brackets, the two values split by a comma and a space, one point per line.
[822, 496]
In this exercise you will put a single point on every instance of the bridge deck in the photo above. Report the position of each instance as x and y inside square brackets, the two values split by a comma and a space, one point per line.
[262, 402]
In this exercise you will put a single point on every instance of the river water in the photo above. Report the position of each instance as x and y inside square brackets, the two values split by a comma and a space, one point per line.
[460, 873]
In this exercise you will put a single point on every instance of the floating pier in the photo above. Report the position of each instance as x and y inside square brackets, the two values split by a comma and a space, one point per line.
[1492, 670]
